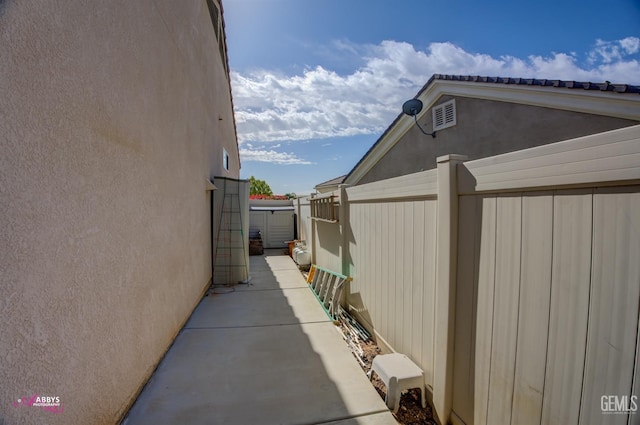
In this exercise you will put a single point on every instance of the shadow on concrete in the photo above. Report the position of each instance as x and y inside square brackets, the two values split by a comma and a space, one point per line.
[265, 353]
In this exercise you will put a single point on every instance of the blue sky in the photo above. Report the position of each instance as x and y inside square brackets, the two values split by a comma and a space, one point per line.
[316, 82]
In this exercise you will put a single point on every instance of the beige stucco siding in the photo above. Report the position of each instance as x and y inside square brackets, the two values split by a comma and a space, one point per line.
[485, 128]
[112, 117]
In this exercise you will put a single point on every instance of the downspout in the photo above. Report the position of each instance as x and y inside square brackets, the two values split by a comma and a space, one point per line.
[212, 236]
[211, 188]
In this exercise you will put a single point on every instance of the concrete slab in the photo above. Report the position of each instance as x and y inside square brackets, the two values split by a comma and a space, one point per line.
[263, 355]
[277, 279]
[280, 262]
[260, 263]
[375, 419]
[288, 374]
[257, 308]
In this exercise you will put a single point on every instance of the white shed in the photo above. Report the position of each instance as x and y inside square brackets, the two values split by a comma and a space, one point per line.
[274, 219]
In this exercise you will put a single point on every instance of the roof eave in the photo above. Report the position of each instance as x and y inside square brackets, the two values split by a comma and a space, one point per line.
[598, 102]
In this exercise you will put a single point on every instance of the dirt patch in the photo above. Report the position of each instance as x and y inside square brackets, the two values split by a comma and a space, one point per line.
[410, 411]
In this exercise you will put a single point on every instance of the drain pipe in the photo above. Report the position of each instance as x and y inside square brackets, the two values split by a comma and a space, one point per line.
[211, 188]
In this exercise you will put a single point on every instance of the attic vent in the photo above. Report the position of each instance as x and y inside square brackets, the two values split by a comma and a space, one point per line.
[444, 115]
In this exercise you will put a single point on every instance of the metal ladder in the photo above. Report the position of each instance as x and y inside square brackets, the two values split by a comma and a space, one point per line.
[327, 287]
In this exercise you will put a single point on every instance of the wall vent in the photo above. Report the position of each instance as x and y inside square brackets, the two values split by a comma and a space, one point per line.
[444, 115]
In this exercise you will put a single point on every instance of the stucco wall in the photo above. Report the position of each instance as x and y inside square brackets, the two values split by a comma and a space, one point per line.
[485, 128]
[112, 116]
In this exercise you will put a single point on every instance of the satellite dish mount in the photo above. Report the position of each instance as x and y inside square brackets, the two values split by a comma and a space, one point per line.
[412, 108]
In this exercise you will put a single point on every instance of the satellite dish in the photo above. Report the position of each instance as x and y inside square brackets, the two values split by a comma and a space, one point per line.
[412, 107]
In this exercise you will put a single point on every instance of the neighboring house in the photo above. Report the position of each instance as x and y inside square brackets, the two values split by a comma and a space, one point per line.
[114, 120]
[491, 116]
[329, 185]
[501, 255]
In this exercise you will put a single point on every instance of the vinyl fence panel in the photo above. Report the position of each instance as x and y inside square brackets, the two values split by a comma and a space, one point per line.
[542, 275]
[533, 307]
[613, 304]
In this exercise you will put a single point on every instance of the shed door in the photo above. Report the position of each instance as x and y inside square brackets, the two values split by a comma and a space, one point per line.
[279, 229]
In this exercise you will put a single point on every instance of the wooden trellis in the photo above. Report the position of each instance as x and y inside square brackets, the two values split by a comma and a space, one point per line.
[325, 209]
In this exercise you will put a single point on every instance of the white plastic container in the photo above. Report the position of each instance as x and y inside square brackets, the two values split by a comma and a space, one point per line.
[301, 256]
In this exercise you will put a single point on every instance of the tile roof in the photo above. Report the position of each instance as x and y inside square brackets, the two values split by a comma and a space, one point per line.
[606, 86]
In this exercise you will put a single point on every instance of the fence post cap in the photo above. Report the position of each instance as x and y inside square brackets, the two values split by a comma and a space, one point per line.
[451, 157]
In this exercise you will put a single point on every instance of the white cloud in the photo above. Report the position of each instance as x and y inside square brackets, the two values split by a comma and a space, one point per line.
[610, 51]
[631, 45]
[320, 103]
[271, 156]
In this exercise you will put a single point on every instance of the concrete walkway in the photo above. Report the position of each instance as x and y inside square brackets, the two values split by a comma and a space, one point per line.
[263, 354]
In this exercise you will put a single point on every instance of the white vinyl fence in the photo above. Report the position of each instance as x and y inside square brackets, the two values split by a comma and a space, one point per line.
[513, 281]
